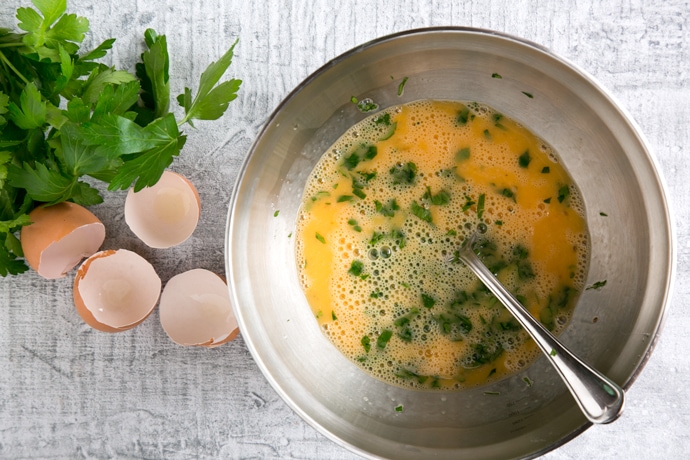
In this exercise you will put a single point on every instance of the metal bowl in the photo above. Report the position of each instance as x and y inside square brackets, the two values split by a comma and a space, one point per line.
[614, 328]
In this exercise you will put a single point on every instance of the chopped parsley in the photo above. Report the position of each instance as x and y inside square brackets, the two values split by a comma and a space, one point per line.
[275, 214]
[344, 198]
[603, 214]
[335, 318]
[596, 286]
[428, 301]
[545, 170]
[524, 159]
[383, 339]
[387, 209]
[356, 268]
[420, 212]
[463, 154]
[463, 116]
[404, 173]
[399, 408]
[401, 86]
[529, 95]
[366, 343]
[496, 75]
[563, 193]
[440, 199]
[480, 206]
[320, 238]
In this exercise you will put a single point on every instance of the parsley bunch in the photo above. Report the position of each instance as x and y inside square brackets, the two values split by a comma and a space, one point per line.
[64, 116]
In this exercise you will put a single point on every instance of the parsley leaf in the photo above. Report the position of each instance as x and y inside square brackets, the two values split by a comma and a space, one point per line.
[211, 100]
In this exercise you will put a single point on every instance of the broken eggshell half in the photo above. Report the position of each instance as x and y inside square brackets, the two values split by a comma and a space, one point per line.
[195, 309]
[165, 214]
[59, 237]
[115, 290]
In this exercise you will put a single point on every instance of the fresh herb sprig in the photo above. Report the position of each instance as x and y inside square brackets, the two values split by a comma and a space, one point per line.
[63, 116]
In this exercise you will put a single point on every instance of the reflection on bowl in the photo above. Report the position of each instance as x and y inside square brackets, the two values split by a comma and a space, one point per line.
[614, 329]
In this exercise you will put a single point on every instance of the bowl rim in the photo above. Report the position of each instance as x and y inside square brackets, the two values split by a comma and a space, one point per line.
[605, 93]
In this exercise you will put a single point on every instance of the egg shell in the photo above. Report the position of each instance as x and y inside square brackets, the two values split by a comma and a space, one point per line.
[59, 237]
[165, 214]
[195, 310]
[109, 274]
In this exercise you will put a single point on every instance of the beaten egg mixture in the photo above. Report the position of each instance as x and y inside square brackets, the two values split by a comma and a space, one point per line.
[385, 210]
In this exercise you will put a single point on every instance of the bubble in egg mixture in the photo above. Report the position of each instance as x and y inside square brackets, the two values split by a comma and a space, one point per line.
[383, 214]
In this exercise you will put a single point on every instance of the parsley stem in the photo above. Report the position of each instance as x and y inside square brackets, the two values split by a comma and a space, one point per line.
[11, 45]
[4, 59]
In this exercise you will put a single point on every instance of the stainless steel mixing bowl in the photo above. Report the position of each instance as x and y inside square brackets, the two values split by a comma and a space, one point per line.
[614, 329]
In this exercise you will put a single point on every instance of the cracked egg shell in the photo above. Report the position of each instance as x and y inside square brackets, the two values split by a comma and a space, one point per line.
[165, 214]
[195, 309]
[115, 290]
[59, 237]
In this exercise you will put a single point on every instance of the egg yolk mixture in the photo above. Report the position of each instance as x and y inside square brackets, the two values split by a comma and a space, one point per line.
[384, 212]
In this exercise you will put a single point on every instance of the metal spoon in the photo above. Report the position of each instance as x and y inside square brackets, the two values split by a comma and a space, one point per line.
[600, 399]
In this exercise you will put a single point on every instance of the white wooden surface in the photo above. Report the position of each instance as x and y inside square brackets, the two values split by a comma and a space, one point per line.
[67, 391]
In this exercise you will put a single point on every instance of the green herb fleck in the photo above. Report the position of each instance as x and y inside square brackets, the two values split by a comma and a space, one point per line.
[366, 343]
[480, 206]
[463, 116]
[451, 233]
[367, 105]
[400, 407]
[468, 203]
[404, 173]
[487, 134]
[563, 193]
[596, 286]
[354, 100]
[463, 154]
[524, 159]
[545, 170]
[275, 214]
[320, 238]
[401, 86]
[356, 268]
[384, 119]
[492, 393]
[553, 352]
[529, 95]
[508, 193]
[528, 381]
[495, 75]
[498, 222]
[376, 237]
[335, 318]
[387, 209]
[428, 301]
[344, 198]
[383, 339]
[351, 161]
[420, 212]
[548, 200]
[603, 214]
[440, 199]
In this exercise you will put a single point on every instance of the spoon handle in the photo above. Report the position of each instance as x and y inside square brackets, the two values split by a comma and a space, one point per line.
[600, 399]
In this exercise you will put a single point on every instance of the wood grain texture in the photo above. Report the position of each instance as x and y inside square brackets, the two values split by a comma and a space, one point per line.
[67, 391]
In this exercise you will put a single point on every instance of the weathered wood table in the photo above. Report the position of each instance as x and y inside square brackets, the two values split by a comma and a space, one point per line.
[67, 391]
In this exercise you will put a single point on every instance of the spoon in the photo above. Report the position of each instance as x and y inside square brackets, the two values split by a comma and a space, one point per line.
[600, 399]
